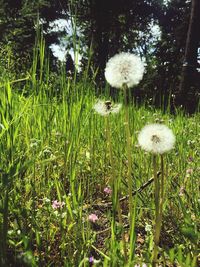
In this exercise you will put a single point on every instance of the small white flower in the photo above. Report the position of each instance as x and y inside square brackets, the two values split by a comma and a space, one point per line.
[105, 108]
[156, 138]
[19, 232]
[148, 227]
[87, 155]
[124, 68]
[64, 215]
[10, 232]
[47, 200]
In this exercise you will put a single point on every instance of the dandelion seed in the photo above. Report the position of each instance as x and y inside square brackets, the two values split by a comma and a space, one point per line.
[156, 138]
[57, 204]
[104, 108]
[93, 218]
[124, 68]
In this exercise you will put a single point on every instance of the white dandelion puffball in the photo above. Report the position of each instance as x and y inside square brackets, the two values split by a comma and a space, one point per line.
[124, 69]
[105, 108]
[156, 138]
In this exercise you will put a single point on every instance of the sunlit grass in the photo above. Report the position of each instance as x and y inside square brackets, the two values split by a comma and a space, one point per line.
[54, 147]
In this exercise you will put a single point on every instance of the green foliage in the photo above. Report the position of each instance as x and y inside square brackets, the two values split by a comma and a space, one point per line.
[19, 21]
[99, 30]
[111, 26]
[53, 147]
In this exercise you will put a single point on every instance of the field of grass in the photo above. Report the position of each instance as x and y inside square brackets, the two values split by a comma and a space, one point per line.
[57, 156]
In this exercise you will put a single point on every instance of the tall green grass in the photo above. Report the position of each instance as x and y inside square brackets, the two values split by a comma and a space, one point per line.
[54, 147]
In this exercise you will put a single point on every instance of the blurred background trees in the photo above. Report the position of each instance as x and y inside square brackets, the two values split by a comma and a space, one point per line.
[19, 21]
[164, 33]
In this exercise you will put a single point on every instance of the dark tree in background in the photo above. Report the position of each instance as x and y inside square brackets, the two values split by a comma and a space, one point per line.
[190, 78]
[111, 26]
[106, 27]
[18, 26]
[169, 52]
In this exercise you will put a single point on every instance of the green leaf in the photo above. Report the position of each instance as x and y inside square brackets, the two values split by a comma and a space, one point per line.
[190, 233]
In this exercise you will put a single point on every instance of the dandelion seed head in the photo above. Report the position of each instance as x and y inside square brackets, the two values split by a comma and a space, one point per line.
[124, 68]
[156, 138]
[104, 108]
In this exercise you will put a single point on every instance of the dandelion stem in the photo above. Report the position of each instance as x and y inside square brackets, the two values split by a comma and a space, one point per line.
[159, 200]
[156, 226]
[115, 186]
[162, 187]
[110, 151]
[128, 143]
[123, 234]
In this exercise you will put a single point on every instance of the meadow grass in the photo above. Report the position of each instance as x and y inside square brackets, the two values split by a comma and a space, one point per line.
[53, 146]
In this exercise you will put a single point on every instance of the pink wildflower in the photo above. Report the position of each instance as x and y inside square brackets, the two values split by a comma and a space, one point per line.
[93, 218]
[190, 159]
[107, 190]
[57, 204]
[91, 259]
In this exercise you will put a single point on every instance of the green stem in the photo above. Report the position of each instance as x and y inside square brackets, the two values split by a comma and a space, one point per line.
[113, 177]
[5, 229]
[128, 143]
[115, 197]
[159, 200]
[162, 187]
[123, 233]
[156, 199]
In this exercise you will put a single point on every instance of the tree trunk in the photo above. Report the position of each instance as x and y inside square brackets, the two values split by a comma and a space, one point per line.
[100, 35]
[186, 95]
